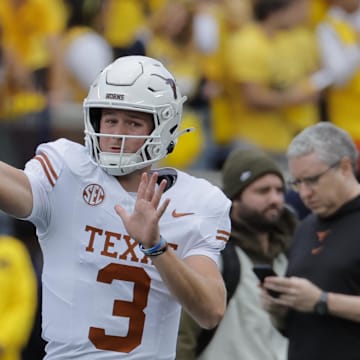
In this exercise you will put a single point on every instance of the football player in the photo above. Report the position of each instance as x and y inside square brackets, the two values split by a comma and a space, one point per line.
[124, 245]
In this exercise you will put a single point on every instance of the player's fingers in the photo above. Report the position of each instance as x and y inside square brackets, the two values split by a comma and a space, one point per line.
[121, 212]
[142, 186]
[157, 196]
[163, 207]
[150, 190]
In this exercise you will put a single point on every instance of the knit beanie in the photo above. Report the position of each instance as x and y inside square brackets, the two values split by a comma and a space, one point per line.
[243, 166]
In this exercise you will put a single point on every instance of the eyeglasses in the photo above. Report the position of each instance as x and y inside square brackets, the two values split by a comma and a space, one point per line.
[310, 181]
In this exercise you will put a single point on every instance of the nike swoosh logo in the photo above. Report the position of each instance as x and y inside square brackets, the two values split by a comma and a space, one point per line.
[179, 214]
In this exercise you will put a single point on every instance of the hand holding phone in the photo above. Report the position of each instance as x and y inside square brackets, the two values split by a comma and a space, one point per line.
[262, 271]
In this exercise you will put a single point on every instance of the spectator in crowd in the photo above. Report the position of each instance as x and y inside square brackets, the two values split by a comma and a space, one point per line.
[31, 32]
[124, 25]
[171, 41]
[338, 38]
[272, 74]
[124, 246]
[319, 305]
[214, 21]
[80, 42]
[262, 226]
[18, 297]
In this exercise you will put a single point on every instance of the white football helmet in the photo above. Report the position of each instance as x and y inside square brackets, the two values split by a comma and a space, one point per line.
[135, 83]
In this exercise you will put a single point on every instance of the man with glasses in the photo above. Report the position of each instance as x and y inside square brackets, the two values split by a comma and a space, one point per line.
[320, 302]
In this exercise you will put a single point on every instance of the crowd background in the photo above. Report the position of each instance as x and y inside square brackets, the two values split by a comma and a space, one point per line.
[236, 77]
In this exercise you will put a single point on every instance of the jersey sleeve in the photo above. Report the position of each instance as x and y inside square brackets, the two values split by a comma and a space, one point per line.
[214, 226]
[217, 231]
[43, 172]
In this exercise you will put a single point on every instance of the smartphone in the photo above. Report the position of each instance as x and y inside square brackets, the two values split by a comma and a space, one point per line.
[262, 271]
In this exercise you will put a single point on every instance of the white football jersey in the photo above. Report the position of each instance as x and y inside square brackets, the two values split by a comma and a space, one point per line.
[102, 298]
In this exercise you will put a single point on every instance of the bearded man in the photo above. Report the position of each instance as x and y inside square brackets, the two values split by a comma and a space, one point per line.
[262, 226]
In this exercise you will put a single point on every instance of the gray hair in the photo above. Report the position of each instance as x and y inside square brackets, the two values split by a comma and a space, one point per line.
[328, 141]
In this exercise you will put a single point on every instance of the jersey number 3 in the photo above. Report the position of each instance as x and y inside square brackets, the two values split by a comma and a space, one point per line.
[133, 310]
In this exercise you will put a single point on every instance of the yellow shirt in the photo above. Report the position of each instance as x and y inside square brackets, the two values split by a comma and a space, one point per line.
[27, 27]
[278, 63]
[123, 19]
[18, 297]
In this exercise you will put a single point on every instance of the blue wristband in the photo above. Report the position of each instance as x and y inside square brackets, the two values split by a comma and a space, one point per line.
[157, 249]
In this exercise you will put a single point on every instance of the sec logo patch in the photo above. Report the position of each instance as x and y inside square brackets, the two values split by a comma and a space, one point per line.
[94, 194]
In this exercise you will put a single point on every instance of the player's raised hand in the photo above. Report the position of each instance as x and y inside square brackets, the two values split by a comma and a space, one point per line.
[143, 224]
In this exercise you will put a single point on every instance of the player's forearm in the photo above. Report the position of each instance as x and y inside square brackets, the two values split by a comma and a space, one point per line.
[202, 297]
[15, 191]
